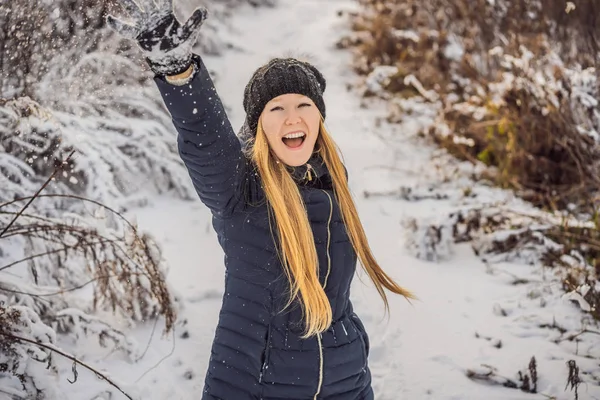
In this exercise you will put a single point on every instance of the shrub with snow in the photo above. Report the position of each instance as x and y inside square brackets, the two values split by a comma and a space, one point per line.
[514, 84]
[512, 87]
[78, 104]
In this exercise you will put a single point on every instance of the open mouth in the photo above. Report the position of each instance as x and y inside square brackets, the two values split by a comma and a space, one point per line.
[294, 140]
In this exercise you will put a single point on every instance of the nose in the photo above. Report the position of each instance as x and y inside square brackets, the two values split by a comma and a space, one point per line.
[292, 118]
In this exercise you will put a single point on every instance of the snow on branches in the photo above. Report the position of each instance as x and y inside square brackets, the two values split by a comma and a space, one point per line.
[67, 274]
[117, 156]
[32, 366]
[71, 266]
[513, 86]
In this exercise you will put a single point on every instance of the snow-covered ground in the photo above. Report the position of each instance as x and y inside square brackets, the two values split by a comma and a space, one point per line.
[422, 350]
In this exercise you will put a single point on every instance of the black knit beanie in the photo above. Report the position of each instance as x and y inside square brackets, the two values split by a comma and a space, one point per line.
[282, 76]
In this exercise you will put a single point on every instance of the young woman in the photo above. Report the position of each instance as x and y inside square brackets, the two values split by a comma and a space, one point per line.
[283, 214]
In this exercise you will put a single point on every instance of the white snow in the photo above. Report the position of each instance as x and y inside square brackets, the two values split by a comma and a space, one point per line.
[406, 34]
[412, 80]
[469, 312]
[454, 49]
[379, 78]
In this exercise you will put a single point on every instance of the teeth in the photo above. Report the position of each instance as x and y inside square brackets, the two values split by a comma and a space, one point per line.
[295, 135]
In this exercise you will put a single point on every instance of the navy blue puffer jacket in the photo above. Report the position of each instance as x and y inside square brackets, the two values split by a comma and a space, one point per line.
[257, 351]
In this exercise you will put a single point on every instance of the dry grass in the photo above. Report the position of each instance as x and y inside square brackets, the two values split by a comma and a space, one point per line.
[527, 381]
[534, 146]
[125, 271]
[481, 26]
[64, 255]
[542, 157]
[528, 133]
[506, 74]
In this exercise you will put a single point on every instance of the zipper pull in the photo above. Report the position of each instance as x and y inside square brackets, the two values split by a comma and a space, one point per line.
[308, 167]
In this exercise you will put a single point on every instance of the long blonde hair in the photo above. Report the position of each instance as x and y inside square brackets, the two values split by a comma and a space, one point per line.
[298, 253]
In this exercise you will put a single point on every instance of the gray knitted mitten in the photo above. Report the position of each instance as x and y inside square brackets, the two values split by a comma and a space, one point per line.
[167, 45]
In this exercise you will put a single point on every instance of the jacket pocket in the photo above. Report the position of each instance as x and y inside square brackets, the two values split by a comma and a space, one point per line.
[362, 333]
[265, 354]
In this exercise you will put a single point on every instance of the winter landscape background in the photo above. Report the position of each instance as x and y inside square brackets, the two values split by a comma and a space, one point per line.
[470, 132]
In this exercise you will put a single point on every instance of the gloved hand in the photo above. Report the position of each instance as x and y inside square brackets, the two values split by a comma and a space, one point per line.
[167, 45]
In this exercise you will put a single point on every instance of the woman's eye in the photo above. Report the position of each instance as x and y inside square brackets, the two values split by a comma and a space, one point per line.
[277, 108]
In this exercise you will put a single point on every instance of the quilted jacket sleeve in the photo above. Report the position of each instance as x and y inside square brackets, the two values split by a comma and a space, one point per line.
[207, 143]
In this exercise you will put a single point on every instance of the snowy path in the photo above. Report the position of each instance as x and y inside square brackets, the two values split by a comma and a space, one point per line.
[422, 351]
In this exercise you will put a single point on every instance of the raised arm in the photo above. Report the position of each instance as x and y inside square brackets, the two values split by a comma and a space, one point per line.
[207, 144]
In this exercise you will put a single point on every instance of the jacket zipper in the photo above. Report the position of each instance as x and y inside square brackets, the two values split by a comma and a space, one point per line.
[328, 238]
[320, 366]
[308, 175]
[324, 285]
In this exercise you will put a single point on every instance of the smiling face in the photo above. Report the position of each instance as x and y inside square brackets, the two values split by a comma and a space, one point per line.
[291, 125]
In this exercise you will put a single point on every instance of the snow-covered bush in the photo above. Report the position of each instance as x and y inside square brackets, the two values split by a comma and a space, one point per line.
[509, 84]
[68, 82]
[497, 233]
[429, 241]
[514, 82]
[64, 252]
[34, 33]
[78, 104]
[511, 87]
[117, 155]
[537, 125]
[21, 358]
[67, 273]
[66, 267]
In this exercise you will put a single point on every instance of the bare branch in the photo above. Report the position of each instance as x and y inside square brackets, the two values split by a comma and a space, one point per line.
[56, 170]
[67, 356]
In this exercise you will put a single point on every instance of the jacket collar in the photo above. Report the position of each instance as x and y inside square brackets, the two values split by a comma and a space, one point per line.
[310, 172]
